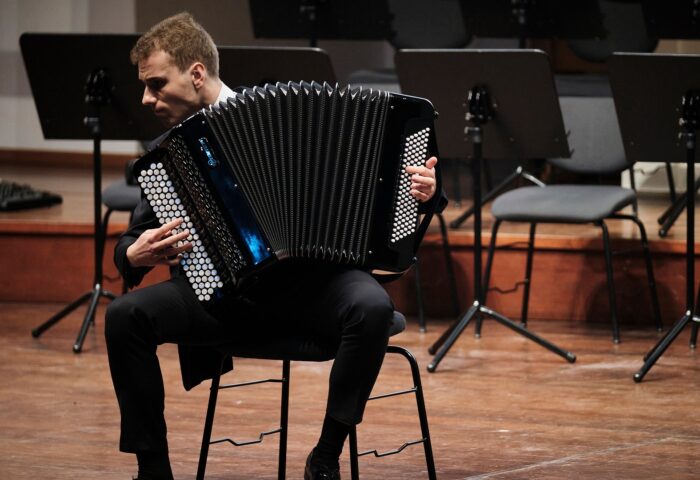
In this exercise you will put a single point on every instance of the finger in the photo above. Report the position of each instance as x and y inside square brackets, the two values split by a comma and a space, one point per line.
[164, 229]
[420, 196]
[168, 241]
[422, 171]
[431, 162]
[428, 191]
[172, 251]
[421, 180]
[171, 261]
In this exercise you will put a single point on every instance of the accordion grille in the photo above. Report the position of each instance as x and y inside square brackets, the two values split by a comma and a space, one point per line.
[217, 235]
[307, 157]
[405, 205]
[175, 189]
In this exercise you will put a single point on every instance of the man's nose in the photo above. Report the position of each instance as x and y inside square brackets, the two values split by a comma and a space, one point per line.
[148, 98]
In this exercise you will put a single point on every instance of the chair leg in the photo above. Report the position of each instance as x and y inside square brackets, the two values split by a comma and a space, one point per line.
[420, 405]
[354, 463]
[487, 273]
[208, 424]
[649, 266]
[419, 298]
[694, 331]
[449, 264]
[528, 275]
[633, 185]
[671, 183]
[611, 283]
[284, 421]
[125, 287]
[650, 273]
[103, 227]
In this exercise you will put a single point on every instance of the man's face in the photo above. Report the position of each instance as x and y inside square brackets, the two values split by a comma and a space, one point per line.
[169, 92]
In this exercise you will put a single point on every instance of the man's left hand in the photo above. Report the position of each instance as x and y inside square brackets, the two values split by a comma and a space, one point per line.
[423, 180]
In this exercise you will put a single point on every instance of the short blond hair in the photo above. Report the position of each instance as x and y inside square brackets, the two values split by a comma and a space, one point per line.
[183, 39]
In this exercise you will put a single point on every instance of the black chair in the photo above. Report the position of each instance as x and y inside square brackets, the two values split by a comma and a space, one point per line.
[597, 150]
[305, 349]
[120, 196]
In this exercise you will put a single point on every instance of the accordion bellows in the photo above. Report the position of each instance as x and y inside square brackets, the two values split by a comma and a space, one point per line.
[298, 170]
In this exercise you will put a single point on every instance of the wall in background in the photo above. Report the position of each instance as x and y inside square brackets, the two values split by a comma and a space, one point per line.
[228, 21]
[19, 123]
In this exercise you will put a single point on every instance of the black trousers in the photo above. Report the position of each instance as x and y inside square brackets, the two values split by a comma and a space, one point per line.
[346, 307]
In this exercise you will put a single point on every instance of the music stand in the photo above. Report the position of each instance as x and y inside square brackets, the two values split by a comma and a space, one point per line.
[487, 100]
[677, 20]
[652, 93]
[251, 66]
[523, 19]
[325, 19]
[85, 88]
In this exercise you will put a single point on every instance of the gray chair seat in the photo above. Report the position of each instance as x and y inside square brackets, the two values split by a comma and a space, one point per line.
[562, 203]
[121, 196]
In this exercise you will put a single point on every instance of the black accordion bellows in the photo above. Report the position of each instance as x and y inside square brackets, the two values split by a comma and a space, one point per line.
[298, 170]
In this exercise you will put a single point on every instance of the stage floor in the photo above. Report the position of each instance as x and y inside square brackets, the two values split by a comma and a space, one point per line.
[499, 407]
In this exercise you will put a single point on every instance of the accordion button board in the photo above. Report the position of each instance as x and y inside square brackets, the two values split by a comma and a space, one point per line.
[295, 170]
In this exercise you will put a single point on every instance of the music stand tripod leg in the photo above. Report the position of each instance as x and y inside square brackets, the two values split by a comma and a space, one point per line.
[36, 332]
[652, 356]
[690, 120]
[568, 356]
[479, 112]
[448, 338]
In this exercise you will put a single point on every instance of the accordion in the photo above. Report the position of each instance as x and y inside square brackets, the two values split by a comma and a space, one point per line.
[296, 170]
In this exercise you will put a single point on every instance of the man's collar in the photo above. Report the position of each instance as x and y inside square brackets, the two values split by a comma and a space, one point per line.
[224, 93]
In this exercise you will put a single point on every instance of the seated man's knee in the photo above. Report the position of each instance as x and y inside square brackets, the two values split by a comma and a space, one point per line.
[120, 319]
[372, 306]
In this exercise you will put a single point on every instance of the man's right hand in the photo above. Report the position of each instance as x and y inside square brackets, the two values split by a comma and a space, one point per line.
[158, 246]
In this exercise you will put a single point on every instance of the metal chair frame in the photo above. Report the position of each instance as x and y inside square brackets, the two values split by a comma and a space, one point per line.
[282, 430]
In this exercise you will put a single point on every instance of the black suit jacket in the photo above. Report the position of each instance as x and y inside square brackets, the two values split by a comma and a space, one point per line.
[196, 363]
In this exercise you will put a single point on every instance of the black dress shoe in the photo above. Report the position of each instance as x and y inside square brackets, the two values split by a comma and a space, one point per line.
[319, 471]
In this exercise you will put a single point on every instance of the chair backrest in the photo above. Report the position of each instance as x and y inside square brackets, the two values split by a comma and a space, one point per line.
[427, 24]
[626, 32]
[594, 136]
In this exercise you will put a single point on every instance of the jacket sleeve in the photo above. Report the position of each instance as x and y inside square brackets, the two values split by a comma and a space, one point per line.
[441, 203]
[142, 220]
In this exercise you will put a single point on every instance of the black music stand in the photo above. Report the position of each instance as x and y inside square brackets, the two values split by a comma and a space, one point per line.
[488, 99]
[677, 20]
[523, 19]
[85, 87]
[251, 66]
[657, 98]
[321, 19]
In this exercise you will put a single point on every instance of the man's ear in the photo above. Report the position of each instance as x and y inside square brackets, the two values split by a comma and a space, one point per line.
[198, 73]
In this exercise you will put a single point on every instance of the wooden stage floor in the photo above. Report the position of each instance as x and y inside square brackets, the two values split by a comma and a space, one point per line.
[499, 407]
